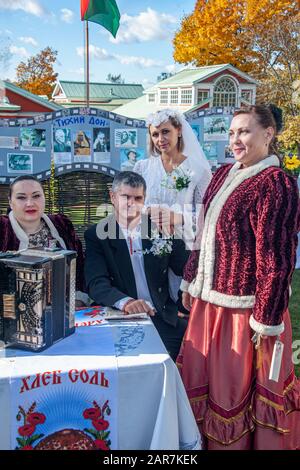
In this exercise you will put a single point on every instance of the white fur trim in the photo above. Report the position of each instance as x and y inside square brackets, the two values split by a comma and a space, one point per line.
[19, 232]
[267, 330]
[54, 231]
[23, 237]
[225, 300]
[184, 286]
[204, 280]
[194, 288]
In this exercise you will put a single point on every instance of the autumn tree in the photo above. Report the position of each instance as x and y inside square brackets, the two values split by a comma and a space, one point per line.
[290, 137]
[37, 74]
[222, 31]
[278, 55]
[258, 37]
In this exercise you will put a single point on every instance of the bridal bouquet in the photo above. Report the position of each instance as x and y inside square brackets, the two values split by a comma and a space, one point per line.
[160, 246]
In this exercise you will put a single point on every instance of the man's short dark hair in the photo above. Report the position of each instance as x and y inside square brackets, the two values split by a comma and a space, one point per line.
[130, 178]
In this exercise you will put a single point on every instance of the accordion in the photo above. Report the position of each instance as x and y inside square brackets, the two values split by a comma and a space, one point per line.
[37, 297]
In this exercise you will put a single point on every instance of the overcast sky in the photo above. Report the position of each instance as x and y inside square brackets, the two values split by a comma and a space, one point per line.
[141, 51]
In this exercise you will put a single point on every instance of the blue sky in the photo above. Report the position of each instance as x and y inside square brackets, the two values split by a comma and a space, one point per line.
[142, 50]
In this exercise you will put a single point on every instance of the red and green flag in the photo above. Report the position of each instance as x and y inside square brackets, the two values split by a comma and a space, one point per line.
[104, 12]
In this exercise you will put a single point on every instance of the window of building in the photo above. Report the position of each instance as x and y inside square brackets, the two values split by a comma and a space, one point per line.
[225, 93]
[246, 95]
[164, 96]
[174, 97]
[186, 96]
[202, 95]
[151, 98]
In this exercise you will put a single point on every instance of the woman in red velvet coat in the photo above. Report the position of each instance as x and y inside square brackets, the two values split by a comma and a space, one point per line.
[238, 286]
[27, 226]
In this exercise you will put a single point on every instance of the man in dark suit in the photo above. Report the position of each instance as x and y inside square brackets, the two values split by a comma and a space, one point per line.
[118, 271]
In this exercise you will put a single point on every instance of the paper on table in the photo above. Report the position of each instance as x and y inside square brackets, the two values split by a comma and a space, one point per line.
[97, 315]
[114, 314]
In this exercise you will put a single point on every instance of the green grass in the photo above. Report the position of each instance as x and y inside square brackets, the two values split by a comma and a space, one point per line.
[294, 308]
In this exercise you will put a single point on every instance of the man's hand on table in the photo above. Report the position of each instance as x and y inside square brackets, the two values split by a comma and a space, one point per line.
[138, 306]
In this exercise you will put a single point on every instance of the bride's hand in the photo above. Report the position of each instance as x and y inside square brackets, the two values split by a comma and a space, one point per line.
[165, 219]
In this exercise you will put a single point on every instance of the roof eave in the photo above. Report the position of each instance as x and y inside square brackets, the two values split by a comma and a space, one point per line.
[30, 96]
[233, 69]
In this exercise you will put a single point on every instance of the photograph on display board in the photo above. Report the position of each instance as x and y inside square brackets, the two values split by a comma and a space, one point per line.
[19, 163]
[101, 141]
[33, 139]
[210, 150]
[9, 142]
[129, 157]
[126, 138]
[62, 146]
[228, 152]
[82, 146]
[61, 140]
[196, 131]
[216, 128]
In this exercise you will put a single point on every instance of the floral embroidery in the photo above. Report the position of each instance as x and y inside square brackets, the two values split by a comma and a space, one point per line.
[40, 238]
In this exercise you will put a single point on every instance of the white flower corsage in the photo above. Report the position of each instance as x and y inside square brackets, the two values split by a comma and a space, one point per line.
[160, 246]
[177, 180]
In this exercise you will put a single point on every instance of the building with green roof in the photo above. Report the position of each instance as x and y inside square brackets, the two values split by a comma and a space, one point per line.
[192, 89]
[20, 103]
[107, 96]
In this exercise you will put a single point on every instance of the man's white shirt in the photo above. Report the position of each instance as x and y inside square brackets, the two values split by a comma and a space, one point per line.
[135, 249]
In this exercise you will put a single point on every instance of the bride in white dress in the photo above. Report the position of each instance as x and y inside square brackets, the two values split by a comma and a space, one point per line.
[177, 174]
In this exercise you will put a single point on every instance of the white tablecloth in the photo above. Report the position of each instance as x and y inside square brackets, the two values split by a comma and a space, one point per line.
[153, 409]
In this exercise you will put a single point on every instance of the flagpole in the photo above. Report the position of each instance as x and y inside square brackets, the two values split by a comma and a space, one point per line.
[87, 64]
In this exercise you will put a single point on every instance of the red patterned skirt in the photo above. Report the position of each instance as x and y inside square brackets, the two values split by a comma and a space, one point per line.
[234, 402]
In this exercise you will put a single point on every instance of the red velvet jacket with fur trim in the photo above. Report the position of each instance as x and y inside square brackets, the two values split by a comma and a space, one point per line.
[249, 241]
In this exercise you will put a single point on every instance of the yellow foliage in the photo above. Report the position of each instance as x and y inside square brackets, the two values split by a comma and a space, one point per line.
[290, 137]
[260, 37]
[223, 31]
[37, 74]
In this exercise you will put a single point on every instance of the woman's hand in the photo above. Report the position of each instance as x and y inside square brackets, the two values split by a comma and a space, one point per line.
[187, 300]
[165, 219]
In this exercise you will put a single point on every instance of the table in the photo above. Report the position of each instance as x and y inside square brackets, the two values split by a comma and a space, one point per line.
[151, 406]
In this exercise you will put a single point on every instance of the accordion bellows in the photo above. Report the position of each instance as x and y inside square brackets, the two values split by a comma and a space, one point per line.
[37, 298]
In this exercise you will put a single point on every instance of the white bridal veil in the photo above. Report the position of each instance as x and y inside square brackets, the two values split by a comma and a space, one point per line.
[192, 148]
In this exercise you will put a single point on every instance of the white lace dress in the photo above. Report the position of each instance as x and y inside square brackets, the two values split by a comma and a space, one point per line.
[188, 201]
